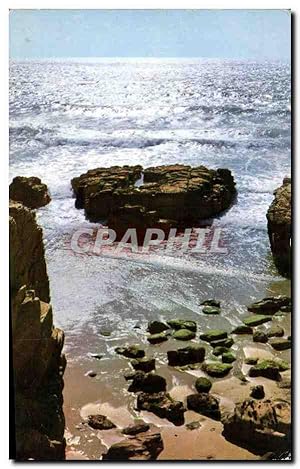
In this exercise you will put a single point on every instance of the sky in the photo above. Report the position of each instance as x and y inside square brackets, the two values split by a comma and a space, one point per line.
[243, 34]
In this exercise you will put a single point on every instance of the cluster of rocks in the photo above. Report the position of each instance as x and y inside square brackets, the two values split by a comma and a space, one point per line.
[38, 364]
[280, 227]
[176, 193]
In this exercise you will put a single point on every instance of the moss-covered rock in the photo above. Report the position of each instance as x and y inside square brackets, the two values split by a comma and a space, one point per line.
[155, 327]
[275, 331]
[228, 357]
[242, 329]
[219, 350]
[182, 324]
[185, 356]
[280, 343]
[213, 335]
[217, 369]
[203, 384]
[211, 310]
[266, 369]
[211, 302]
[256, 320]
[260, 336]
[223, 343]
[184, 334]
[251, 361]
[131, 351]
[157, 338]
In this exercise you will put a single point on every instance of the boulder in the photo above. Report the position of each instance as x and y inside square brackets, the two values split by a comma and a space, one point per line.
[162, 405]
[242, 329]
[147, 382]
[157, 338]
[178, 324]
[143, 447]
[211, 310]
[155, 327]
[30, 191]
[260, 336]
[211, 302]
[213, 335]
[256, 320]
[216, 369]
[144, 364]
[175, 192]
[228, 357]
[270, 305]
[280, 343]
[267, 369]
[257, 392]
[139, 427]
[131, 351]
[203, 384]
[204, 404]
[185, 356]
[275, 331]
[280, 227]
[259, 426]
[219, 350]
[100, 422]
[184, 334]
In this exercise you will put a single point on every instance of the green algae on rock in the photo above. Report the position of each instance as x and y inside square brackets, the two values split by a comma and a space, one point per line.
[182, 324]
[228, 357]
[211, 310]
[213, 335]
[157, 338]
[184, 334]
[256, 320]
[203, 384]
[217, 369]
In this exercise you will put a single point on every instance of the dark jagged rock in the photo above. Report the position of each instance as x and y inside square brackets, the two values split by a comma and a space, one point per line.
[30, 191]
[211, 302]
[178, 324]
[143, 447]
[147, 382]
[186, 356]
[259, 426]
[155, 327]
[184, 334]
[256, 320]
[162, 405]
[257, 392]
[144, 364]
[132, 351]
[280, 227]
[157, 338]
[280, 343]
[260, 336]
[242, 329]
[270, 305]
[38, 362]
[217, 369]
[175, 192]
[139, 427]
[100, 422]
[204, 404]
[213, 335]
[203, 384]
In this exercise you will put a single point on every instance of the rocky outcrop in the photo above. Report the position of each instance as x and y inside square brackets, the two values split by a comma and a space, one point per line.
[260, 426]
[176, 193]
[38, 364]
[280, 228]
[30, 191]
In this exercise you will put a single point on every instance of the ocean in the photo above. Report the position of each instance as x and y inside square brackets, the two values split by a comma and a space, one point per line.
[71, 115]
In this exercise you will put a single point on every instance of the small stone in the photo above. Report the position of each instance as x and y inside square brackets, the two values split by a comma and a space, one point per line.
[91, 374]
[182, 324]
[275, 331]
[100, 422]
[217, 369]
[260, 336]
[223, 343]
[219, 350]
[144, 364]
[132, 351]
[193, 425]
[184, 334]
[211, 302]
[157, 338]
[105, 333]
[280, 344]
[203, 384]
[251, 361]
[228, 357]
[211, 310]
[155, 327]
[136, 428]
[96, 355]
[213, 335]
[242, 329]
[257, 392]
[256, 320]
